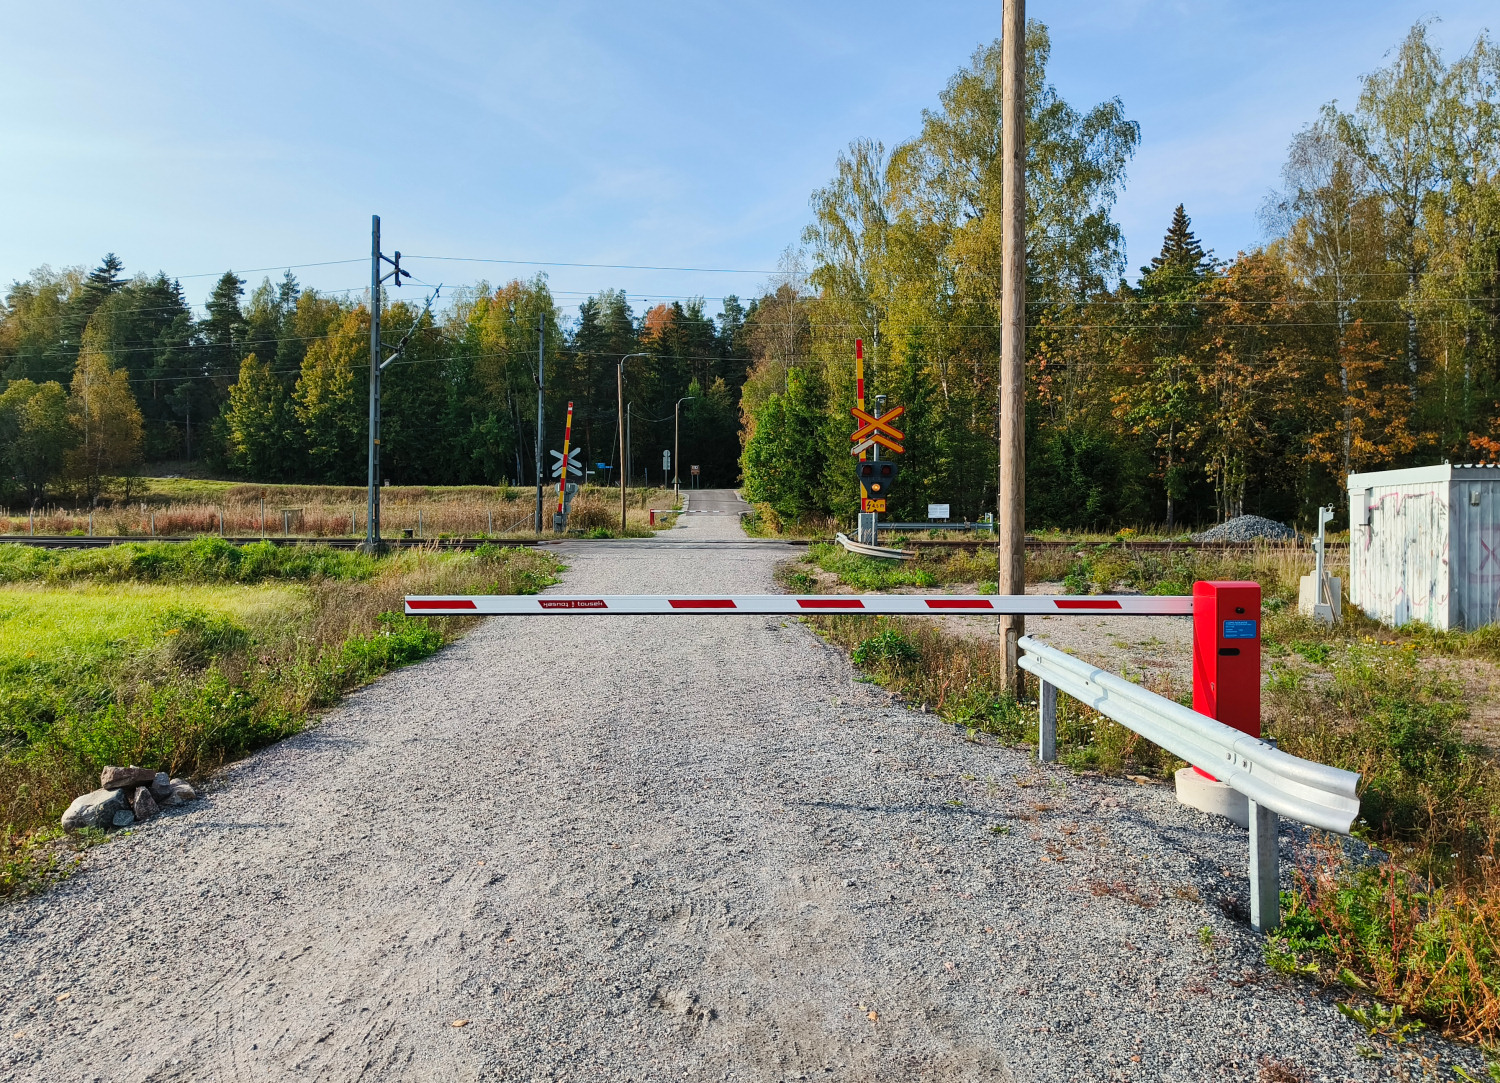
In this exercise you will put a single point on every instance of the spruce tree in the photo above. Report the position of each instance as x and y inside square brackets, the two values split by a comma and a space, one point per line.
[101, 282]
[223, 331]
[1180, 250]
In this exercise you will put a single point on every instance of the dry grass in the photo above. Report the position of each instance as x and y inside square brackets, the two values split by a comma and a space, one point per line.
[333, 512]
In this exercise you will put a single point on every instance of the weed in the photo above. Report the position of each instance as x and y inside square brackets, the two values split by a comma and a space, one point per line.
[1206, 936]
[1386, 1022]
[1279, 1071]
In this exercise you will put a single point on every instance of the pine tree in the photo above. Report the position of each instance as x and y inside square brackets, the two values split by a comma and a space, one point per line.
[1180, 250]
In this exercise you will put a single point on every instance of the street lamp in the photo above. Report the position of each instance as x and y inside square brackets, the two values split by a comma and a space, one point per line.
[677, 444]
[620, 399]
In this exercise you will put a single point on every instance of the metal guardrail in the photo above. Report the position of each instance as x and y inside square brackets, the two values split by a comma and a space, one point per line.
[987, 527]
[1274, 782]
[872, 550]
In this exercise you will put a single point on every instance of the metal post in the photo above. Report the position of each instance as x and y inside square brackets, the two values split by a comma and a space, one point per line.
[620, 396]
[221, 523]
[1265, 873]
[1046, 744]
[419, 522]
[491, 519]
[622, 423]
[1011, 497]
[541, 328]
[91, 525]
[372, 498]
[262, 517]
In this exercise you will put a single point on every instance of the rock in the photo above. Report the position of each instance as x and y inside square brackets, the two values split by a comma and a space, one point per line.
[182, 792]
[120, 778]
[144, 805]
[94, 809]
[161, 787]
[124, 818]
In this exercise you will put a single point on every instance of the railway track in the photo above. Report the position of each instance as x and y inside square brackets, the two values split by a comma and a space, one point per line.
[465, 544]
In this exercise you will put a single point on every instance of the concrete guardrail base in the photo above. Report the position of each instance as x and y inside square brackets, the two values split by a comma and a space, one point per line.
[1206, 795]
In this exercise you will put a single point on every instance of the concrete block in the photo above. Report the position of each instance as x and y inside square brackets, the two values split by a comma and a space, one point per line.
[1309, 605]
[1207, 795]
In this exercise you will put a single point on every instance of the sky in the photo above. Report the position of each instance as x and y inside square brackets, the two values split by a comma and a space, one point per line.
[193, 138]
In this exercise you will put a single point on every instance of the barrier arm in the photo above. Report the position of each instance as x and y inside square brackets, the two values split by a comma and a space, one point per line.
[757, 604]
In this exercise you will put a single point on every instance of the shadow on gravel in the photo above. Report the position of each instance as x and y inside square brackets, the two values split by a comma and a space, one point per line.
[910, 810]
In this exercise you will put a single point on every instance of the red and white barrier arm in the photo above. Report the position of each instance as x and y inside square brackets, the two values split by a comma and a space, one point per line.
[782, 604]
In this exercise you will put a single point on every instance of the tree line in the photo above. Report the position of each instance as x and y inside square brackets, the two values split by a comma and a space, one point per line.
[1363, 334]
[104, 373]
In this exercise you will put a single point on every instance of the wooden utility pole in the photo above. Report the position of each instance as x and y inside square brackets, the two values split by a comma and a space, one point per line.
[1011, 498]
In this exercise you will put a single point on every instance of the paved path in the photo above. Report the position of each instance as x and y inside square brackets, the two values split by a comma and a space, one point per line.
[637, 848]
[714, 502]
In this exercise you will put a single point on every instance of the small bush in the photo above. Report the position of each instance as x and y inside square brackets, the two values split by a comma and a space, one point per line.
[887, 649]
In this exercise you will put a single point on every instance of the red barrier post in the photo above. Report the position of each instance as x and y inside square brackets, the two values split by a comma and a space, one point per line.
[1226, 654]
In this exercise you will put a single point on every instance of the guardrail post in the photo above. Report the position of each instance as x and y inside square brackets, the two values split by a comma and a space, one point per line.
[1265, 871]
[1046, 744]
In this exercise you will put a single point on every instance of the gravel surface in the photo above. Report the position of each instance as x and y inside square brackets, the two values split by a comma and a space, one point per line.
[1245, 528]
[638, 848]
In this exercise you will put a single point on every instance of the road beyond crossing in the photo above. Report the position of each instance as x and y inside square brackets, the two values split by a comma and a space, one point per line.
[641, 850]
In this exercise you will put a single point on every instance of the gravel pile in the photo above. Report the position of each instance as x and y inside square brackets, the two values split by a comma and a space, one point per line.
[636, 848]
[1245, 528]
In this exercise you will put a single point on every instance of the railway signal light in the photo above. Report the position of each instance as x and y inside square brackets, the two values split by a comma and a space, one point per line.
[877, 478]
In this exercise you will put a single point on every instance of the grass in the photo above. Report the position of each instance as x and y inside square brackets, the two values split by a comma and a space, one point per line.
[186, 657]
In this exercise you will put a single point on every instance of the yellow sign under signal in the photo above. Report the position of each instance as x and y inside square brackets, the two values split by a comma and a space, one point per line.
[873, 505]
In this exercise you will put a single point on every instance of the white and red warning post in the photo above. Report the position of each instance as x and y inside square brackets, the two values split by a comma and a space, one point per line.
[782, 604]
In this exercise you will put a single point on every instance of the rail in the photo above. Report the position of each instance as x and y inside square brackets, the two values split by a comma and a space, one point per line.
[1273, 782]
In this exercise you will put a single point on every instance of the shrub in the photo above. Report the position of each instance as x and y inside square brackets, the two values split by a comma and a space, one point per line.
[887, 649]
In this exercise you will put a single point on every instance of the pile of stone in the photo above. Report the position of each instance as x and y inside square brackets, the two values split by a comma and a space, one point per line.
[126, 795]
[1245, 528]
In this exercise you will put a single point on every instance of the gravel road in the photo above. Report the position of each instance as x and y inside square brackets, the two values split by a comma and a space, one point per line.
[643, 849]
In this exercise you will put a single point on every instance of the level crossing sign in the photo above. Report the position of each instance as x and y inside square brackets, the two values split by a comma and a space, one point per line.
[877, 430]
[575, 463]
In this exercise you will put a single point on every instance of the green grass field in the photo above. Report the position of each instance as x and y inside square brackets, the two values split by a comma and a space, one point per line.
[90, 624]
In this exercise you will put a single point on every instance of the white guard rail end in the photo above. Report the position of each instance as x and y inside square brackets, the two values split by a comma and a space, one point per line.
[1312, 793]
[872, 550]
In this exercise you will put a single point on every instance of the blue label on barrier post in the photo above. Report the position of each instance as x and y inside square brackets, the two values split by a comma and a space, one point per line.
[1239, 629]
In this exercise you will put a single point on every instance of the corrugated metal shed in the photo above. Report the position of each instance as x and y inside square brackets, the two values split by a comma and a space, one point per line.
[1424, 544]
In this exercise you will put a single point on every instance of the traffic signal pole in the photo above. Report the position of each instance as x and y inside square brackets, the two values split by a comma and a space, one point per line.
[541, 329]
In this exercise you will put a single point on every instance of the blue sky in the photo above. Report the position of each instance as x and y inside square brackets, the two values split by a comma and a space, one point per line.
[196, 137]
